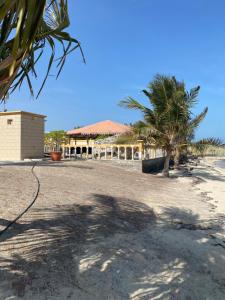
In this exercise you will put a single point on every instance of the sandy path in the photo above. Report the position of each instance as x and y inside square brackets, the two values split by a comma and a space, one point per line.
[100, 232]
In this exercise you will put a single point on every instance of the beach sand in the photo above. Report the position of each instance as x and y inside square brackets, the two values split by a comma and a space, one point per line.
[213, 182]
[102, 231]
[210, 179]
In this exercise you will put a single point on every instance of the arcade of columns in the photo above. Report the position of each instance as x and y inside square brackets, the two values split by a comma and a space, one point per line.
[109, 151]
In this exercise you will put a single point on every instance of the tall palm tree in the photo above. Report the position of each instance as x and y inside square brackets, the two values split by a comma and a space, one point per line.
[168, 113]
[27, 27]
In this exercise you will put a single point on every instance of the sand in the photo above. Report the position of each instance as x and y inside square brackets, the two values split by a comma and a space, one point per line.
[102, 231]
[213, 182]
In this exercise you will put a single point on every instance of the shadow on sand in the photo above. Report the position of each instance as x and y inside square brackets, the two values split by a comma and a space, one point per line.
[207, 176]
[113, 247]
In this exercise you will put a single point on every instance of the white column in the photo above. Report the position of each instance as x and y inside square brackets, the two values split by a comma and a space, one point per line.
[69, 152]
[118, 152]
[132, 152]
[125, 153]
[111, 152]
[63, 152]
[75, 152]
[150, 153]
[140, 154]
[144, 153]
[87, 153]
[99, 152]
[105, 152]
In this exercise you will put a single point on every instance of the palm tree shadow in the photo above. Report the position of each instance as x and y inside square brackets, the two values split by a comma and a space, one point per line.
[52, 238]
[188, 244]
[110, 244]
[207, 176]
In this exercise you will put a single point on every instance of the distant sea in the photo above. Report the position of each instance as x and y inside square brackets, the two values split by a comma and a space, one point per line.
[220, 163]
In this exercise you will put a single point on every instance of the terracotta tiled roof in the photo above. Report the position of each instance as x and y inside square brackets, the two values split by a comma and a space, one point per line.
[104, 127]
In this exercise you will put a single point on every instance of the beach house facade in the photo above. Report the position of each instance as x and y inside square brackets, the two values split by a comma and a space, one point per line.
[99, 141]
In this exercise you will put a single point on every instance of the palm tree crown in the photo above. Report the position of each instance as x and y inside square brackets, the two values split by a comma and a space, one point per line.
[169, 113]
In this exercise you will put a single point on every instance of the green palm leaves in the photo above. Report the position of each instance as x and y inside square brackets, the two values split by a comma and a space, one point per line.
[168, 119]
[26, 28]
[201, 146]
[169, 110]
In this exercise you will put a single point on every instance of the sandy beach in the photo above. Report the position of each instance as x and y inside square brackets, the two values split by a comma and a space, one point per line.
[211, 182]
[101, 231]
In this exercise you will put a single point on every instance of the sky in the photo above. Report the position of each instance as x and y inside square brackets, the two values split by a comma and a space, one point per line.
[126, 42]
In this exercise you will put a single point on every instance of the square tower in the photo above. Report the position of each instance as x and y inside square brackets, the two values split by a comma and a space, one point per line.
[21, 135]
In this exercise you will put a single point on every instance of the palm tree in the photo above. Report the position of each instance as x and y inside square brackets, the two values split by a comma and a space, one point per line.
[168, 113]
[187, 131]
[201, 146]
[27, 28]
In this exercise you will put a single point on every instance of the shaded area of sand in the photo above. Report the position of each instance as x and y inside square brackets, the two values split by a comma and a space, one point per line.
[104, 232]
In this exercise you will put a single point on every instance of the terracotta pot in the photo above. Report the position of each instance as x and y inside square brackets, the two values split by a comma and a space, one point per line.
[56, 155]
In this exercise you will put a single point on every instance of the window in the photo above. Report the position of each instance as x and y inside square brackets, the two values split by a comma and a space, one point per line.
[9, 121]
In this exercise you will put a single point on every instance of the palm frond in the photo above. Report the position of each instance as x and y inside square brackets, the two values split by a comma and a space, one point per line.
[194, 123]
[131, 103]
[27, 29]
[192, 96]
[211, 141]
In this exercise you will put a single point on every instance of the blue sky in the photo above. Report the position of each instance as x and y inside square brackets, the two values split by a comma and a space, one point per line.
[126, 42]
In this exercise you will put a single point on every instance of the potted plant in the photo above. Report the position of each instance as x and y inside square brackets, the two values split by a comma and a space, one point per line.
[54, 141]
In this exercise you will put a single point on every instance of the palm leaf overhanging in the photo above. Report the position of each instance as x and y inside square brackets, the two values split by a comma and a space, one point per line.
[26, 28]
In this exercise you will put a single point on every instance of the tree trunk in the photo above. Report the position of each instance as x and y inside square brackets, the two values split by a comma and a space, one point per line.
[166, 168]
[177, 159]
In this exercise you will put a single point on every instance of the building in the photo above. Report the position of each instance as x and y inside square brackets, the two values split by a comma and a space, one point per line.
[98, 141]
[21, 135]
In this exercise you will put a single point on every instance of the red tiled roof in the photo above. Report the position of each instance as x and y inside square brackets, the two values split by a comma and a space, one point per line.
[101, 128]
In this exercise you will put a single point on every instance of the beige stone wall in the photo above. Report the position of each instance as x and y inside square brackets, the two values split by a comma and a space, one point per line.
[21, 136]
[10, 137]
[32, 136]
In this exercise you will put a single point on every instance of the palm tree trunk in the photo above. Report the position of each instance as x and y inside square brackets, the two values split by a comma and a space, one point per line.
[177, 158]
[166, 168]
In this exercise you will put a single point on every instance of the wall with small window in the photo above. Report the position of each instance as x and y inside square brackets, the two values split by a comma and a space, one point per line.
[21, 135]
[9, 121]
